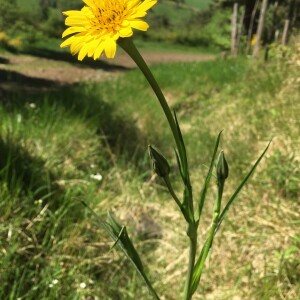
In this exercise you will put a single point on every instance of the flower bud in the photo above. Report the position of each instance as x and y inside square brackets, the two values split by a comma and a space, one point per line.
[222, 168]
[160, 164]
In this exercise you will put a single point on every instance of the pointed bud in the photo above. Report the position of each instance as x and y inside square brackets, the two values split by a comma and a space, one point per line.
[222, 168]
[160, 164]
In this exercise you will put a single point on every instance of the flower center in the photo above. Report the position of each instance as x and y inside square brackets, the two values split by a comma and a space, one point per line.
[110, 17]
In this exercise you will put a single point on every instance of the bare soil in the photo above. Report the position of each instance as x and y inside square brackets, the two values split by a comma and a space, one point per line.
[69, 72]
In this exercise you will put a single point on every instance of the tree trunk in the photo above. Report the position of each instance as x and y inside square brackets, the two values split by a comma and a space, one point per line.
[260, 28]
[234, 30]
[250, 28]
[285, 33]
[240, 30]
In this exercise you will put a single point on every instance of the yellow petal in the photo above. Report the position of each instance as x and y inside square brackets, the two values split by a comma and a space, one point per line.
[83, 52]
[146, 5]
[99, 50]
[76, 21]
[125, 23]
[90, 3]
[77, 44]
[110, 48]
[133, 3]
[92, 47]
[72, 12]
[139, 14]
[68, 42]
[72, 30]
[74, 48]
[139, 24]
[126, 32]
[87, 11]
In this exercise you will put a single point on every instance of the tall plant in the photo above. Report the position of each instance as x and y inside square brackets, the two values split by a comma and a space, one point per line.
[98, 28]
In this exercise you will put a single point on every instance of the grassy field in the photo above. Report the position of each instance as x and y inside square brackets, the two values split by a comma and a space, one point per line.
[54, 145]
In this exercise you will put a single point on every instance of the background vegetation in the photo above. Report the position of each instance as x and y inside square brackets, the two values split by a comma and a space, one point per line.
[30, 24]
[60, 144]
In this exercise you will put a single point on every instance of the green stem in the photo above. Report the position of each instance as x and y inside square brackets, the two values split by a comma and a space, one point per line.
[171, 191]
[129, 47]
[174, 196]
[209, 241]
[191, 265]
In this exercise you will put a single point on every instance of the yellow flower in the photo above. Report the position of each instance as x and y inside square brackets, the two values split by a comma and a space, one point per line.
[253, 40]
[100, 23]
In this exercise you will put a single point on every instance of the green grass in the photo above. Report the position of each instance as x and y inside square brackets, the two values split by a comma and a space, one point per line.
[52, 142]
[168, 47]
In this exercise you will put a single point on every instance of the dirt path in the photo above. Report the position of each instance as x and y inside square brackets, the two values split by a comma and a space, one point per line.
[57, 71]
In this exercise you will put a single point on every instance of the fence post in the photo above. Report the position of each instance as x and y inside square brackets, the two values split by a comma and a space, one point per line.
[234, 30]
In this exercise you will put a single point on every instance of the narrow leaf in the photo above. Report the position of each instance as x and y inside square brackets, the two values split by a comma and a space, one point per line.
[116, 242]
[207, 181]
[179, 165]
[119, 234]
[182, 150]
[125, 243]
[232, 198]
[104, 224]
[197, 271]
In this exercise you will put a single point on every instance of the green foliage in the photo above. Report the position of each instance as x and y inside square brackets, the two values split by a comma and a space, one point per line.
[19, 24]
[44, 19]
[8, 14]
[54, 25]
[219, 29]
[206, 28]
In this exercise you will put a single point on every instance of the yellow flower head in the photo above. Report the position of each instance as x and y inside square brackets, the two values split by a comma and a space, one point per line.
[100, 23]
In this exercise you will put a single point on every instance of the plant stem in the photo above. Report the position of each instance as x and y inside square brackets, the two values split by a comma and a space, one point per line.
[171, 191]
[129, 47]
[209, 241]
[192, 255]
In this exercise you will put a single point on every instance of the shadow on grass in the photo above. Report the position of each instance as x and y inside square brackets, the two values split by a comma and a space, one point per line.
[4, 61]
[12, 81]
[66, 57]
[34, 207]
[19, 168]
[121, 135]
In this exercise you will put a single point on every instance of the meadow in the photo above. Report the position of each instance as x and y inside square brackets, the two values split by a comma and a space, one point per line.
[73, 132]
[87, 142]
